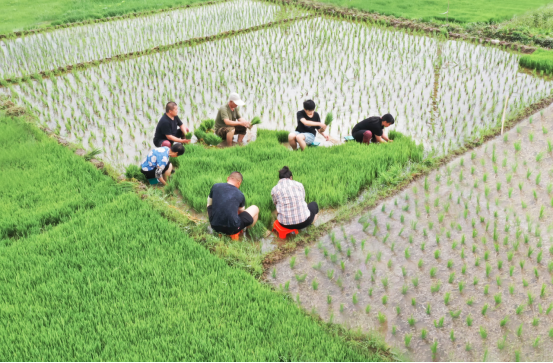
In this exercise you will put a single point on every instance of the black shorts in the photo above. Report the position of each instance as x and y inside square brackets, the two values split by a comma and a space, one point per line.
[178, 134]
[245, 220]
[313, 209]
[152, 173]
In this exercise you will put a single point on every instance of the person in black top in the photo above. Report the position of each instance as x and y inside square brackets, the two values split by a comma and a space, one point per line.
[371, 129]
[308, 122]
[226, 207]
[170, 128]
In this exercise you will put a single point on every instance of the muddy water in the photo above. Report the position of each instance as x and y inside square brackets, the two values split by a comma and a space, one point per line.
[475, 228]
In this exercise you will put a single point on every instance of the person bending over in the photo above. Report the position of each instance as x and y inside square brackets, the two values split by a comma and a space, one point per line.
[226, 207]
[289, 198]
[308, 122]
[170, 129]
[229, 121]
[371, 129]
[157, 165]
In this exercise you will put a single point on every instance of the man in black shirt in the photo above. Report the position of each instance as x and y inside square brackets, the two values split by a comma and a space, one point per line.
[371, 129]
[226, 207]
[170, 128]
[308, 122]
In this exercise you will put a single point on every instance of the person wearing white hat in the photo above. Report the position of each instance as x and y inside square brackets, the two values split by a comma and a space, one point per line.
[229, 121]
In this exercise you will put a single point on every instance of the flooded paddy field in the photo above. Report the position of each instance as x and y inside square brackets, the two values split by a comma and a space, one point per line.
[440, 91]
[48, 51]
[456, 267]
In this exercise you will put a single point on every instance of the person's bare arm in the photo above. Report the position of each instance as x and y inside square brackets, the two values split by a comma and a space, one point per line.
[209, 201]
[240, 210]
[176, 139]
[380, 139]
[313, 123]
[236, 123]
[386, 138]
[326, 136]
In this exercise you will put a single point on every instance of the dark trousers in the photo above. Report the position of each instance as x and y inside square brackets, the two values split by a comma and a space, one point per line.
[313, 209]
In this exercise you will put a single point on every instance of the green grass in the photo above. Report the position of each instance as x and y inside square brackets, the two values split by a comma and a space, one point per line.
[42, 183]
[330, 176]
[541, 60]
[119, 282]
[20, 15]
[463, 11]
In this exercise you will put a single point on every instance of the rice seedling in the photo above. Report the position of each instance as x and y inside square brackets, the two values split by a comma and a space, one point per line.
[424, 333]
[381, 317]
[428, 309]
[483, 332]
[519, 309]
[439, 323]
[434, 349]
[315, 284]
[301, 278]
[519, 331]
[329, 299]
[292, 262]
[407, 339]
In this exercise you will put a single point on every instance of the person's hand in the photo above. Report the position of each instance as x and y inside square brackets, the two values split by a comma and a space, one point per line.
[246, 123]
[389, 140]
[323, 127]
[327, 136]
[185, 141]
[187, 130]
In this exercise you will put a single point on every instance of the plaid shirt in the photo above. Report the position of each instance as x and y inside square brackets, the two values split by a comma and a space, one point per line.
[289, 198]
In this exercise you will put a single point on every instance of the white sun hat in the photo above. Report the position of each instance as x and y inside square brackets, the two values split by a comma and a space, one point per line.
[235, 97]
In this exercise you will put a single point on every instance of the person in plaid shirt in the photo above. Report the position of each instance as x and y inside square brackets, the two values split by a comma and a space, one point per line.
[289, 198]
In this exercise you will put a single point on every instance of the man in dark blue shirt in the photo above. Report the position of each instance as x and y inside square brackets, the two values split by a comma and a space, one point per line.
[226, 207]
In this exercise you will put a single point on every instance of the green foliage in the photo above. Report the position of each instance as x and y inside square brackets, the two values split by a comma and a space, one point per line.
[43, 184]
[330, 175]
[255, 121]
[105, 273]
[133, 172]
[329, 118]
[540, 60]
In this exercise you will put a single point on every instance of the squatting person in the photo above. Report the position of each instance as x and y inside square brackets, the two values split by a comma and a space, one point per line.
[157, 165]
[289, 198]
[226, 207]
[229, 121]
[170, 129]
[371, 129]
[308, 122]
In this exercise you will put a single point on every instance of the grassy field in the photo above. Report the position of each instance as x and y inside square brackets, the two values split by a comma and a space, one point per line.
[330, 176]
[45, 184]
[464, 11]
[119, 282]
[16, 14]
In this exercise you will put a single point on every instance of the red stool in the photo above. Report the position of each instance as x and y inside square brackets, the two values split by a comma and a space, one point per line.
[234, 237]
[283, 232]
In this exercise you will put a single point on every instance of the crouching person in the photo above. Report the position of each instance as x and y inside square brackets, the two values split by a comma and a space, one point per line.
[289, 198]
[226, 207]
[157, 165]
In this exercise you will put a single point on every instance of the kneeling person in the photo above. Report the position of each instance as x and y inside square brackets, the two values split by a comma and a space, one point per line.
[371, 129]
[226, 207]
[308, 122]
[289, 198]
[157, 165]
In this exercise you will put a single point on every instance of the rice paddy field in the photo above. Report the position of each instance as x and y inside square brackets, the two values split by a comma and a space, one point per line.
[441, 92]
[455, 265]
